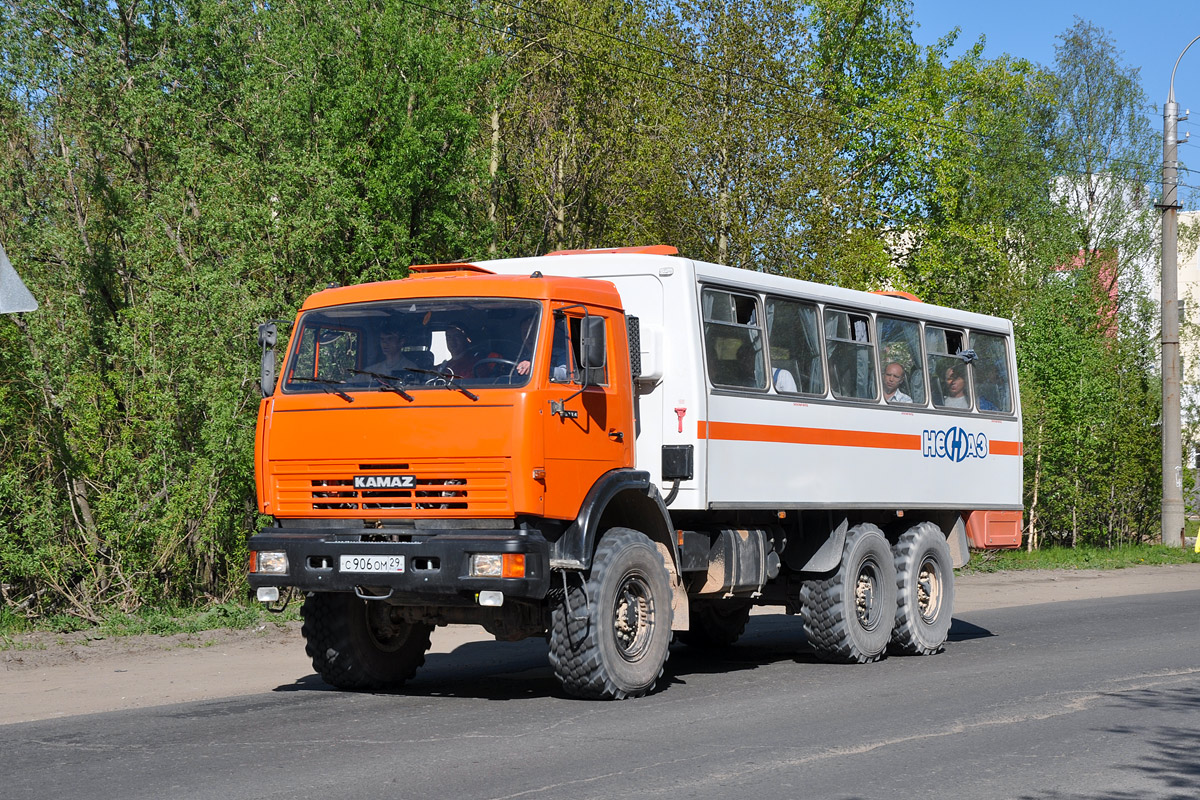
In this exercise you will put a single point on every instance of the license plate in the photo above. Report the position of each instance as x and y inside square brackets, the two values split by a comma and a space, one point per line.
[371, 564]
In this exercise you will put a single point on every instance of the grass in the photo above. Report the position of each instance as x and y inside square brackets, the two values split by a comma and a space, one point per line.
[1080, 558]
[151, 621]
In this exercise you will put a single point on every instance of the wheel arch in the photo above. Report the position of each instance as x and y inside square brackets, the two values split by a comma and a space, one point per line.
[623, 498]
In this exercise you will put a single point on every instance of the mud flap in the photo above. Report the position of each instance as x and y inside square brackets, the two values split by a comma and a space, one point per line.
[680, 621]
[960, 552]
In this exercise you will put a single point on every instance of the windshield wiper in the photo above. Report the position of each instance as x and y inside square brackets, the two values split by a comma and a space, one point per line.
[450, 378]
[386, 382]
[327, 385]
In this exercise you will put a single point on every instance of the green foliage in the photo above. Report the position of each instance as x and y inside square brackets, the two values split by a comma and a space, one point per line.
[164, 620]
[169, 179]
[1082, 557]
[172, 173]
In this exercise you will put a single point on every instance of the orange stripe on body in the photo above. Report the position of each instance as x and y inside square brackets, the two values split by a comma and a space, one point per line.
[786, 434]
[1005, 448]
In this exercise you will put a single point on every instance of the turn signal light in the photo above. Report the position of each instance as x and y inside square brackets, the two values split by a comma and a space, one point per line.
[514, 565]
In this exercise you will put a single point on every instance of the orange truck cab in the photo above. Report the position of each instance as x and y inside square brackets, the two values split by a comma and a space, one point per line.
[437, 443]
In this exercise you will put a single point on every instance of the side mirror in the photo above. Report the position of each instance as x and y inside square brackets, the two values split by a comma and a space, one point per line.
[593, 354]
[268, 334]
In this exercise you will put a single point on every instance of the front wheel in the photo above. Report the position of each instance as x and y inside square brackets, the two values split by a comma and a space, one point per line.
[609, 636]
[925, 589]
[848, 617]
[361, 645]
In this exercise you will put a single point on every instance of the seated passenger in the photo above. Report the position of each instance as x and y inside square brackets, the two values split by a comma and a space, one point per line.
[956, 387]
[893, 376]
[391, 345]
[784, 382]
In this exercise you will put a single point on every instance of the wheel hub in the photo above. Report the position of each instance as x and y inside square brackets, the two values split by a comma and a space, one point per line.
[387, 631]
[631, 617]
[866, 596]
[929, 590]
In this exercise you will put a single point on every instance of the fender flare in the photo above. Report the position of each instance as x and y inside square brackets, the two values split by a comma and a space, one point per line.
[574, 549]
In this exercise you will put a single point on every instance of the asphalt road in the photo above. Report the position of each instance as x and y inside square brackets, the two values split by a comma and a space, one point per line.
[1082, 699]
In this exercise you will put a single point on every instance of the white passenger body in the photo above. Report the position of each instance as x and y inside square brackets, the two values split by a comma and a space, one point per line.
[766, 450]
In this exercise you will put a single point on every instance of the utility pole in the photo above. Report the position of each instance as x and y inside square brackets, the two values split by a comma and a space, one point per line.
[1172, 437]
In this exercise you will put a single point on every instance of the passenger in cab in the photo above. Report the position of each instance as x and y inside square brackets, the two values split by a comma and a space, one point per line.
[391, 345]
[893, 376]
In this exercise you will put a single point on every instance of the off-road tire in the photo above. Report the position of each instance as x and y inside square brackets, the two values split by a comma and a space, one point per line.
[611, 642]
[924, 591]
[357, 644]
[716, 623]
[848, 616]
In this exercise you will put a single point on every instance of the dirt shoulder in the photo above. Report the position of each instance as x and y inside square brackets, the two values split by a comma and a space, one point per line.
[60, 675]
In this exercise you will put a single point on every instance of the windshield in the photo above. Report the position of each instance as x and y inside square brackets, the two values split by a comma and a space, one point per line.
[401, 345]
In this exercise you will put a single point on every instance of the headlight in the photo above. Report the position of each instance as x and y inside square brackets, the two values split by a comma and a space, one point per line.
[486, 565]
[269, 562]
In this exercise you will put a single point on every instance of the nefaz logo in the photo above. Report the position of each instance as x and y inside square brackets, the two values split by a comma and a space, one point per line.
[954, 443]
[385, 481]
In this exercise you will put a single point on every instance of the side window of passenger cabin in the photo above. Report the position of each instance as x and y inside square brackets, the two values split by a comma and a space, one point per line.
[851, 355]
[949, 382]
[990, 373]
[900, 357]
[795, 344]
[733, 340]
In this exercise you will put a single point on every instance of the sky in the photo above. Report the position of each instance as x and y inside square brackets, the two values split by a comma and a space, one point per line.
[1151, 36]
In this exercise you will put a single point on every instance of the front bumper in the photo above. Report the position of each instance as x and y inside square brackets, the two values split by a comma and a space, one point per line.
[436, 564]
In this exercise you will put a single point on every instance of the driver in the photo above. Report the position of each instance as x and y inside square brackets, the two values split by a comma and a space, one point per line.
[461, 362]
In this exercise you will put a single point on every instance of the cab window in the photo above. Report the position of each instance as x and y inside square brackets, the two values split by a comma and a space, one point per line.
[564, 352]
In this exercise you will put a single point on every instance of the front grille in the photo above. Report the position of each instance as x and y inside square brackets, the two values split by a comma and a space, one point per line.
[441, 489]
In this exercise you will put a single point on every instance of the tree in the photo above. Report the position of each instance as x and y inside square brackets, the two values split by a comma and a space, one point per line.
[1088, 358]
[173, 173]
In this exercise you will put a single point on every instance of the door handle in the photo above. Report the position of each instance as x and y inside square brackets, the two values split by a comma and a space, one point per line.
[617, 435]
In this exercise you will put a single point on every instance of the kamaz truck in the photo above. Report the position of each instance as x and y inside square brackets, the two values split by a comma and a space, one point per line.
[608, 448]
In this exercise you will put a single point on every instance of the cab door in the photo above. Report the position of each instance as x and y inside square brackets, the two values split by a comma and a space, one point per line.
[588, 431]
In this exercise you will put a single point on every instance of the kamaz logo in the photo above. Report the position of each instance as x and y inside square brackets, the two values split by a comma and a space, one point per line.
[385, 481]
[955, 444]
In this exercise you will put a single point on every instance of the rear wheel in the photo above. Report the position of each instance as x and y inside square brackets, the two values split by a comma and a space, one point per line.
[848, 616]
[925, 591]
[359, 644]
[610, 642]
[716, 623]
